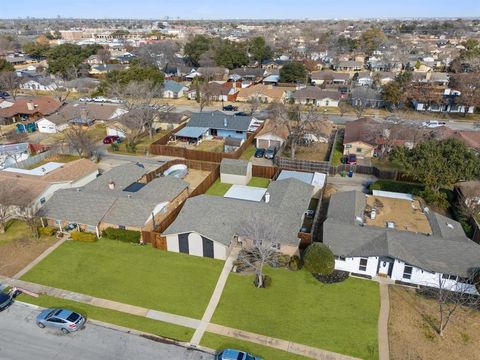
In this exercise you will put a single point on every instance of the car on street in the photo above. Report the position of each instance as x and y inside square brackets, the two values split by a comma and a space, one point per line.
[231, 354]
[64, 320]
[351, 159]
[5, 300]
[259, 153]
[433, 124]
[270, 153]
[230, 108]
[111, 139]
[242, 113]
[4, 94]
[85, 99]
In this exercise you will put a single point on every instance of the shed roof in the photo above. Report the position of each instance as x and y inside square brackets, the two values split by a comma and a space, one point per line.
[234, 167]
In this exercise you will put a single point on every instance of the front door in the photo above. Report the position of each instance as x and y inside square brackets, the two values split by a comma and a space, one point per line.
[183, 243]
[385, 266]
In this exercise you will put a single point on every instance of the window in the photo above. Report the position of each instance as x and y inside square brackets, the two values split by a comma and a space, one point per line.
[239, 132]
[363, 264]
[359, 150]
[340, 258]
[407, 272]
[449, 277]
[121, 227]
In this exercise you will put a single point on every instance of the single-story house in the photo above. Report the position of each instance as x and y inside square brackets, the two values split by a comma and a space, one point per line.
[249, 74]
[106, 68]
[26, 109]
[369, 236]
[312, 95]
[173, 90]
[328, 77]
[234, 171]
[30, 189]
[263, 93]
[219, 124]
[271, 80]
[210, 225]
[120, 198]
[316, 179]
[364, 78]
[348, 66]
[41, 83]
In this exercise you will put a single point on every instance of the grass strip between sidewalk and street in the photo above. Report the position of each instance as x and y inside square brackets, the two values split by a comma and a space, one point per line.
[135, 322]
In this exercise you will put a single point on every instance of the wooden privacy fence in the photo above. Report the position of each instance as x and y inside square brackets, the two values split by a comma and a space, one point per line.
[267, 172]
[160, 147]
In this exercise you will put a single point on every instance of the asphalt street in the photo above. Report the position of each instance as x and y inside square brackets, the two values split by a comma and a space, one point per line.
[22, 339]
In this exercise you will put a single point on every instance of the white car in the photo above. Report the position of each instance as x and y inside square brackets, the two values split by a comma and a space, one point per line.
[85, 99]
[433, 124]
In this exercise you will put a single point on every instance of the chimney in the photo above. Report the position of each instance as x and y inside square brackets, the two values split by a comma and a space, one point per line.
[30, 106]
[267, 197]
[111, 185]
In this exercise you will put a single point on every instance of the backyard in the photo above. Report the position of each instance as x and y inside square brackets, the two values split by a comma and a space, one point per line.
[142, 147]
[318, 151]
[132, 274]
[338, 317]
[210, 146]
[219, 189]
[18, 247]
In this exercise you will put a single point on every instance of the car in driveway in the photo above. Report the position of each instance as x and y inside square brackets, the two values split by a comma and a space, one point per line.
[259, 153]
[270, 153]
[111, 139]
[230, 108]
[64, 320]
[232, 354]
[5, 300]
[432, 124]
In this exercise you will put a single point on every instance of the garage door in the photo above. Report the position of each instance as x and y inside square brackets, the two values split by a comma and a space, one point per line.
[262, 144]
[183, 243]
[265, 144]
[207, 247]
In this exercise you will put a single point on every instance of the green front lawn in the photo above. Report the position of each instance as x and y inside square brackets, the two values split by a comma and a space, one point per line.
[259, 182]
[139, 323]
[218, 188]
[131, 274]
[248, 153]
[219, 342]
[338, 317]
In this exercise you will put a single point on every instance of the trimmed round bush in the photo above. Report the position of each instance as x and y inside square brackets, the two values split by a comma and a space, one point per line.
[47, 230]
[335, 277]
[295, 263]
[319, 259]
[83, 236]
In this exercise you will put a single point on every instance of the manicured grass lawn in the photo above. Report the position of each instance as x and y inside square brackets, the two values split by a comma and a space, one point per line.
[248, 153]
[132, 274]
[218, 188]
[219, 342]
[61, 158]
[337, 317]
[259, 182]
[114, 317]
[386, 164]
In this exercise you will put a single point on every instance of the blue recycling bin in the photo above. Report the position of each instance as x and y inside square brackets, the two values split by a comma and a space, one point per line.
[350, 173]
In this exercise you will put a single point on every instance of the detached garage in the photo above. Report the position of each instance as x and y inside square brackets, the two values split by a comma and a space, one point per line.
[193, 243]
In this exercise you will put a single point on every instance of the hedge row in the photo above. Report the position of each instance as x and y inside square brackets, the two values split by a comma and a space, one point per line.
[129, 236]
[83, 236]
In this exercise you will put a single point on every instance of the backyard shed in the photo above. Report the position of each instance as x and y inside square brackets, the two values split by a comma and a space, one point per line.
[238, 172]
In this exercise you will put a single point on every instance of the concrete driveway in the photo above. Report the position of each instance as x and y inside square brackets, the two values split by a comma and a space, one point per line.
[21, 338]
[357, 182]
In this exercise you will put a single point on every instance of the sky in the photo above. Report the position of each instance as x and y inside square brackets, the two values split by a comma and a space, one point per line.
[243, 9]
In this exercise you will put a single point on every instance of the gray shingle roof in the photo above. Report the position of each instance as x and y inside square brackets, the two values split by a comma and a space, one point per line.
[220, 120]
[219, 218]
[313, 92]
[96, 202]
[234, 167]
[447, 251]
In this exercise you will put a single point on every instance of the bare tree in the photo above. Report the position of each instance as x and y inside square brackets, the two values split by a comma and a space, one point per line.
[158, 54]
[79, 140]
[254, 103]
[298, 124]
[259, 249]
[104, 55]
[6, 202]
[469, 201]
[203, 94]
[450, 296]
[362, 98]
[11, 82]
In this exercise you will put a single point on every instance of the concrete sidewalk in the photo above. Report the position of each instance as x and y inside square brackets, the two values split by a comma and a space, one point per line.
[383, 346]
[217, 294]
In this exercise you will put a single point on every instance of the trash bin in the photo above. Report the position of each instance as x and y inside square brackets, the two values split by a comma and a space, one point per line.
[350, 173]
[343, 173]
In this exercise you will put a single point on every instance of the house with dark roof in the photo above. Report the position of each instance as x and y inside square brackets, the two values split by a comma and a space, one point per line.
[120, 198]
[312, 95]
[329, 77]
[217, 124]
[210, 225]
[392, 235]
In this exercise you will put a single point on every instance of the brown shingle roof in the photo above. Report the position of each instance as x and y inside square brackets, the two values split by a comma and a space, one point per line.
[43, 105]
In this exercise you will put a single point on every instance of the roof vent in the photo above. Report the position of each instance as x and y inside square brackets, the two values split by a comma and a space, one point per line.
[111, 185]
[450, 226]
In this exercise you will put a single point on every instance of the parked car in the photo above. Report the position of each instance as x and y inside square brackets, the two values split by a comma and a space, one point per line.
[230, 108]
[4, 94]
[433, 124]
[85, 99]
[5, 300]
[111, 139]
[351, 159]
[259, 153]
[70, 227]
[100, 99]
[231, 354]
[310, 213]
[270, 153]
[61, 319]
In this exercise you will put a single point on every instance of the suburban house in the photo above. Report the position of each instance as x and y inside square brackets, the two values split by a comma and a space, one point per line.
[363, 78]
[215, 91]
[393, 235]
[272, 79]
[209, 73]
[366, 97]
[263, 93]
[312, 95]
[248, 74]
[238, 172]
[39, 82]
[216, 124]
[28, 190]
[173, 90]
[210, 225]
[322, 77]
[30, 109]
[103, 69]
[120, 198]
[451, 103]
[348, 66]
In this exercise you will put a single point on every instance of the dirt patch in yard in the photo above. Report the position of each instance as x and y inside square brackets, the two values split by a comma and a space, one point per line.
[315, 152]
[412, 338]
[16, 254]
